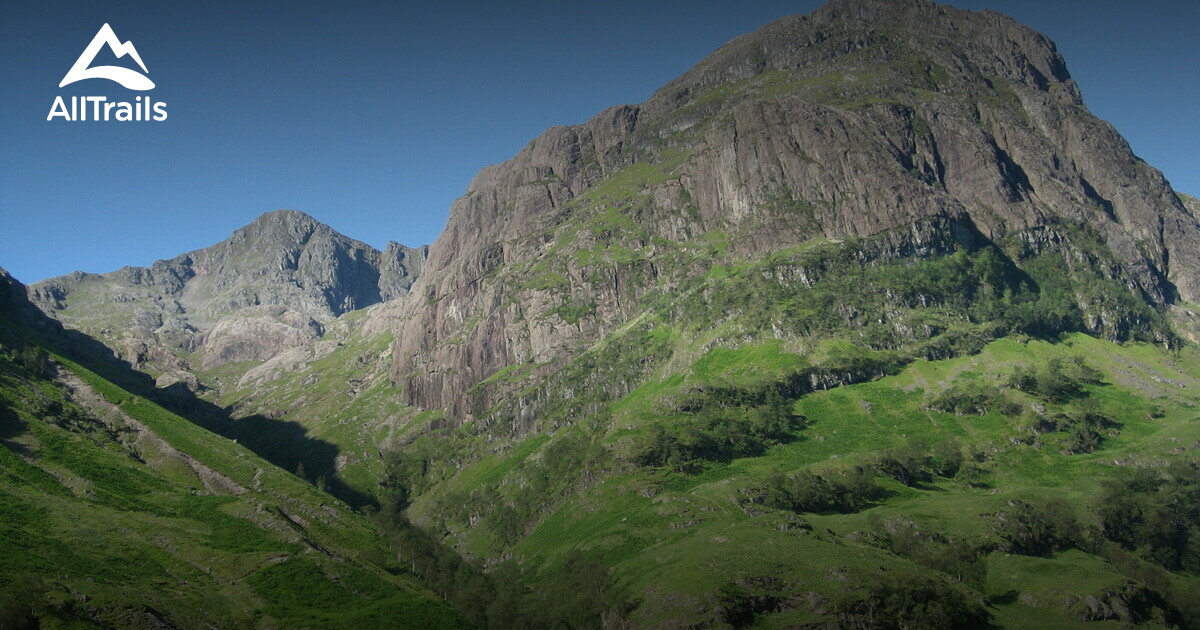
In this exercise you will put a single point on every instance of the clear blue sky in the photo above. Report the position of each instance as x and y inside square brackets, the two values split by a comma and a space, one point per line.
[373, 117]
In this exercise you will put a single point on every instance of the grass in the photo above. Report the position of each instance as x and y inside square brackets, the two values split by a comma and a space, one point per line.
[95, 510]
[342, 399]
[746, 365]
[675, 539]
[299, 593]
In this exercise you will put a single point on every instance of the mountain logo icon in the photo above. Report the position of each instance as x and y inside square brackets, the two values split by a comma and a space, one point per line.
[129, 78]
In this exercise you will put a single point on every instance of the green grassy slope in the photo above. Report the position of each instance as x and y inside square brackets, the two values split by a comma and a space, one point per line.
[341, 404]
[117, 513]
[709, 541]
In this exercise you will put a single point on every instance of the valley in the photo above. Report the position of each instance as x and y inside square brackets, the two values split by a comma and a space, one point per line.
[864, 321]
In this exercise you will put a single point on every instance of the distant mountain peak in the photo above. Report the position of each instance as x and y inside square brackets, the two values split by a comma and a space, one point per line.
[876, 5]
[284, 215]
[289, 226]
[283, 258]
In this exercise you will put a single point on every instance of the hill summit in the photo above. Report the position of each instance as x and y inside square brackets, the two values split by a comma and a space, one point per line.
[267, 288]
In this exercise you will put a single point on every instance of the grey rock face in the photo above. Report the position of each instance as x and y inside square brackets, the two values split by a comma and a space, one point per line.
[262, 291]
[257, 333]
[399, 267]
[866, 117]
[14, 300]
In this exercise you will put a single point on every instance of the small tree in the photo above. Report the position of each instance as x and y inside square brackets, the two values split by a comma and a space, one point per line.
[946, 458]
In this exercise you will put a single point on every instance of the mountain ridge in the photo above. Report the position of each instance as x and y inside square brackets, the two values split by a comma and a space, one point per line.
[268, 288]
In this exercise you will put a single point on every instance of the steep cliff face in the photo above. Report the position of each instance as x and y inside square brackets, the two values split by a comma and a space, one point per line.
[868, 117]
[264, 290]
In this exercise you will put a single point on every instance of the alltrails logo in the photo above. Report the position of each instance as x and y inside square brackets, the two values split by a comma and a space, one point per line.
[142, 108]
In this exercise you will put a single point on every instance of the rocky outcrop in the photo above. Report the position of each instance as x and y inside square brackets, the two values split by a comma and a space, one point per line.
[14, 300]
[264, 290]
[867, 117]
[399, 267]
[257, 333]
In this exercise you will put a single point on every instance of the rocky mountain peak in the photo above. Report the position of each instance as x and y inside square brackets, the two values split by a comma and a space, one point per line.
[872, 10]
[844, 35]
[279, 229]
[284, 216]
[266, 288]
[904, 120]
[284, 225]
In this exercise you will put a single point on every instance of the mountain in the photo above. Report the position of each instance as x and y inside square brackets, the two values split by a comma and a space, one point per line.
[268, 288]
[916, 128]
[115, 512]
[863, 321]
[629, 337]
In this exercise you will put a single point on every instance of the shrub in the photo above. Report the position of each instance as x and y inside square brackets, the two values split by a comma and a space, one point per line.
[720, 427]
[1085, 426]
[1058, 381]
[946, 458]
[974, 397]
[1037, 528]
[850, 491]
[33, 359]
[1156, 512]
[916, 462]
[958, 559]
[911, 602]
